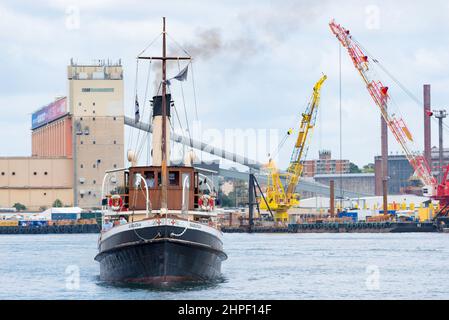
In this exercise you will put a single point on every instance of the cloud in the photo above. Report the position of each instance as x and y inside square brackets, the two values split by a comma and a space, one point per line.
[255, 64]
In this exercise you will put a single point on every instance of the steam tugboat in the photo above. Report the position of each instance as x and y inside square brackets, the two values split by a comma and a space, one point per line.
[162, 226]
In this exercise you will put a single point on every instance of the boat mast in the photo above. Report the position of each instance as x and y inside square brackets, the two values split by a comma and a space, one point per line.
[164, 204]
[164, 58]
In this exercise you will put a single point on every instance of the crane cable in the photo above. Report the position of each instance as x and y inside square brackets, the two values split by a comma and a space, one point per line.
[395, 80]
[272, 155]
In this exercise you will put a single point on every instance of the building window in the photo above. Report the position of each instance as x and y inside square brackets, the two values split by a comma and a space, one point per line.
[97, 90]
[94, 142]
[115, 142]
[35, 173]
[149, 178]
[94, 182]
[115, 118]
[3, 173]
[13, 173]
[173, 178]
[81, 119]
[79, 104]
[93, 119]
[81, 142]
[94, 166]
[93, 103]
[115, 166]
[45, 193]
[82, 196]
[45, 173]
[81, 166]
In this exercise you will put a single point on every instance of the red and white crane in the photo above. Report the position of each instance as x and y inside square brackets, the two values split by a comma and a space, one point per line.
[380, 95]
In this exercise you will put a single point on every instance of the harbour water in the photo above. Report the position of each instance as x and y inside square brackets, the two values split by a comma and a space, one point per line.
[260, 266]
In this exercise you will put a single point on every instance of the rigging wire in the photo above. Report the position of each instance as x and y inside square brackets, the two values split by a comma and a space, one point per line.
[144, 102]
[180, 125]
[151, 43]
[182, 89]
[194, 92]
[131, 131]
[177, 43]
[191, 67]
[139, 148]
[185, 109]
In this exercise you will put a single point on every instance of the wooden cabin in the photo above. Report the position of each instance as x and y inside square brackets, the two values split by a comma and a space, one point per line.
[135, 198]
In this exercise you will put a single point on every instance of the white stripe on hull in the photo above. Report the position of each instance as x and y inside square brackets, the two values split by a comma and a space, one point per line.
[161, 222]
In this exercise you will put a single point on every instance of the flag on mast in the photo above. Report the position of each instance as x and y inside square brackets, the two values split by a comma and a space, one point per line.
[136, 112]
[182, 75]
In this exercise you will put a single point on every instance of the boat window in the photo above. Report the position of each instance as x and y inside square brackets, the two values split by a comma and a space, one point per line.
[149, 178]
[134, 180]
[173, 178]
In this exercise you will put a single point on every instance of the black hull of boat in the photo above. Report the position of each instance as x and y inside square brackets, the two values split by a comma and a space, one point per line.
[194, 256]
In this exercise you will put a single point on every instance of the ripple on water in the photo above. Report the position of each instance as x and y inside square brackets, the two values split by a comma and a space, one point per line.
[260, 266]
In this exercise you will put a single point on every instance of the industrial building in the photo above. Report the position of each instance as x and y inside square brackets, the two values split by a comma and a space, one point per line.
[325, 165]
[399, 173]
[435, 160]
[355, 182]
[74, 140]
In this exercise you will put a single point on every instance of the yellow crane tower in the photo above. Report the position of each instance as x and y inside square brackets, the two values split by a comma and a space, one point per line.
[278, 198]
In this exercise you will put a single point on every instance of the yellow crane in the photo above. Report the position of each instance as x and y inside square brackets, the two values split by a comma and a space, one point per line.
[279, 198]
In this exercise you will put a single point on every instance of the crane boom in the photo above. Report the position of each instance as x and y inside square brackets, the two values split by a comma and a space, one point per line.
[300, 149]
[278, 198]
[379, 94]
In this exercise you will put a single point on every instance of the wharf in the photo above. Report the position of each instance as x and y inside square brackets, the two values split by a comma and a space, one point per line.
[49, 229]
[360, 227]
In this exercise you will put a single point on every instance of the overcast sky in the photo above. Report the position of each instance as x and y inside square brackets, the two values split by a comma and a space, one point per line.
[255, 62]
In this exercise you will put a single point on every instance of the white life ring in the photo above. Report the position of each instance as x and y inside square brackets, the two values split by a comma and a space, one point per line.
[206, 202]
[116, 202]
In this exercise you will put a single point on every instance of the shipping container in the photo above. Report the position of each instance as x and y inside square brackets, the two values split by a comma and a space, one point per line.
[88, 215]
[33, 223]
[9, 223]
[64, 216]
[345, 214]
